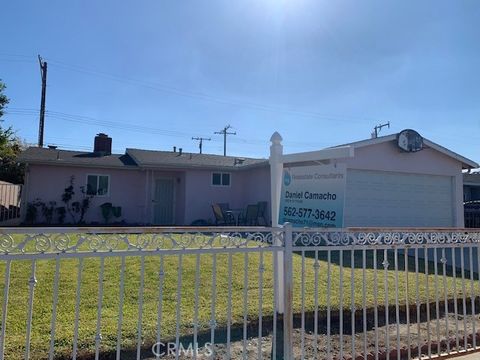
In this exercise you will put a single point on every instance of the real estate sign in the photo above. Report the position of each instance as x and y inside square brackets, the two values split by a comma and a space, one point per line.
[313, 196]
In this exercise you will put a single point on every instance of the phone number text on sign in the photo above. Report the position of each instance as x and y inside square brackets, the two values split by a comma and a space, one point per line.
[316, 214]
[309, 217]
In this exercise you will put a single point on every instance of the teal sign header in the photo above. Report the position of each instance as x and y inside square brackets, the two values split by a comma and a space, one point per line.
[313, 196]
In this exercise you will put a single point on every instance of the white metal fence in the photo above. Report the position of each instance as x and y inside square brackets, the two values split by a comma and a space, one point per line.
[212, 293]
[10, 198]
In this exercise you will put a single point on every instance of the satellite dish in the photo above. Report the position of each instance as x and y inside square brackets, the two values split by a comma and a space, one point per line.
[409, 140]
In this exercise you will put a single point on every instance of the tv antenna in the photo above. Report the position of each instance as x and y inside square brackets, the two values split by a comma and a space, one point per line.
[225, 132]
[378, 128]
[200, 139]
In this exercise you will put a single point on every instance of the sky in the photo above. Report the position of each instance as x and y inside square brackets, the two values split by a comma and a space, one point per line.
[155, 73]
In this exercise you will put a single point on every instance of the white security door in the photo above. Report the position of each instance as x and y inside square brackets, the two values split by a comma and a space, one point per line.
[380, 198]
[163, 203]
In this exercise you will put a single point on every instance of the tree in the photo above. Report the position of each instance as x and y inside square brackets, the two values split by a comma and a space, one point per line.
[10, 147]
[3, 98]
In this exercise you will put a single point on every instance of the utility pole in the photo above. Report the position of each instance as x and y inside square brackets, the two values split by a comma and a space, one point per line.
[377, 129]
[200, 144]
[225, 133]
[43, 73]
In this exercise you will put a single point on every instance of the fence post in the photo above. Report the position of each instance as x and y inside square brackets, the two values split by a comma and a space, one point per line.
[288, 294]
[276, 169]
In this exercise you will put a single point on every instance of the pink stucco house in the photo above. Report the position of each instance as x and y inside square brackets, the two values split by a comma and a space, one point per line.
[386, 183]
[151, 187]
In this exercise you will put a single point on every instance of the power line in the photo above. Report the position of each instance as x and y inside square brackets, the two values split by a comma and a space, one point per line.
[17, 61]
[200, 141]
[117, 125]
[16, 58]
[247, 142]
[94, 121]
[203, 96]
[225, 132]
[22, 109]
[80, 119]
[112, 124]
[16, 55]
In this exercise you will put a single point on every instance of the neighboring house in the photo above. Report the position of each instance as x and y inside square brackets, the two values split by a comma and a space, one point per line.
[471, 197]
[471, 186]
[9, 194]
[386, 185]
[151, 187]
[10, 197]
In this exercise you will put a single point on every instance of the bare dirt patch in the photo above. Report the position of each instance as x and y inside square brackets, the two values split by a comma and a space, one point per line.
[388, 342]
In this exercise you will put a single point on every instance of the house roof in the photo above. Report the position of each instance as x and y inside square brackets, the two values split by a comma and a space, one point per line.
[471, 179]
[466, 163]
[74, 158]
[155, 159]
[5, 183]
[136, 158]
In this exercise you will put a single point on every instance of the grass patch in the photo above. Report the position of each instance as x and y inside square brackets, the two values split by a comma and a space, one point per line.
[20, 273]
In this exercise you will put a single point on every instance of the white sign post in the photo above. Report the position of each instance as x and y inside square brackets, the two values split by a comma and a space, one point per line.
[276, 169]
[277, 161]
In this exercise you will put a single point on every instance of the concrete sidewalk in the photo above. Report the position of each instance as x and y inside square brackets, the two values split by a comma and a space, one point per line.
[469, 356]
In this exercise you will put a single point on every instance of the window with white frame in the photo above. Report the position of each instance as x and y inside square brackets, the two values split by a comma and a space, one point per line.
[98, 185]
[220, 179]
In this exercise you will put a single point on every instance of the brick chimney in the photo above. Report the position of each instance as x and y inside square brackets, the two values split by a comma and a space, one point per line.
[102, 145]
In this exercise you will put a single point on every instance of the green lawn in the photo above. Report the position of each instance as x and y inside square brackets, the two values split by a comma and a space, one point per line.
[20, 272]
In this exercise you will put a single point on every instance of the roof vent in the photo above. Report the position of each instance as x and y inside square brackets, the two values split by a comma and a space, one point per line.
[53, 147]
[102, 145]
[180, 151]
[174, 149]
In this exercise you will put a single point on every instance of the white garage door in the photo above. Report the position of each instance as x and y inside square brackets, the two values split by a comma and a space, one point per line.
[379, 198]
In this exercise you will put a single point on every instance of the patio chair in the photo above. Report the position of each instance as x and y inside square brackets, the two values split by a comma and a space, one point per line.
[250, 218]
[221, 217]
[261, 216]
[224, 206]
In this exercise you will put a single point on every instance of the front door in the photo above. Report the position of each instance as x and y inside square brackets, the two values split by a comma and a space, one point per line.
[163, 202]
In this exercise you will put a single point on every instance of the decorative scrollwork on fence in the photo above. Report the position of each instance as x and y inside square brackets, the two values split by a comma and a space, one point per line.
[6, 242]
[394, 238]
[137, 240]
